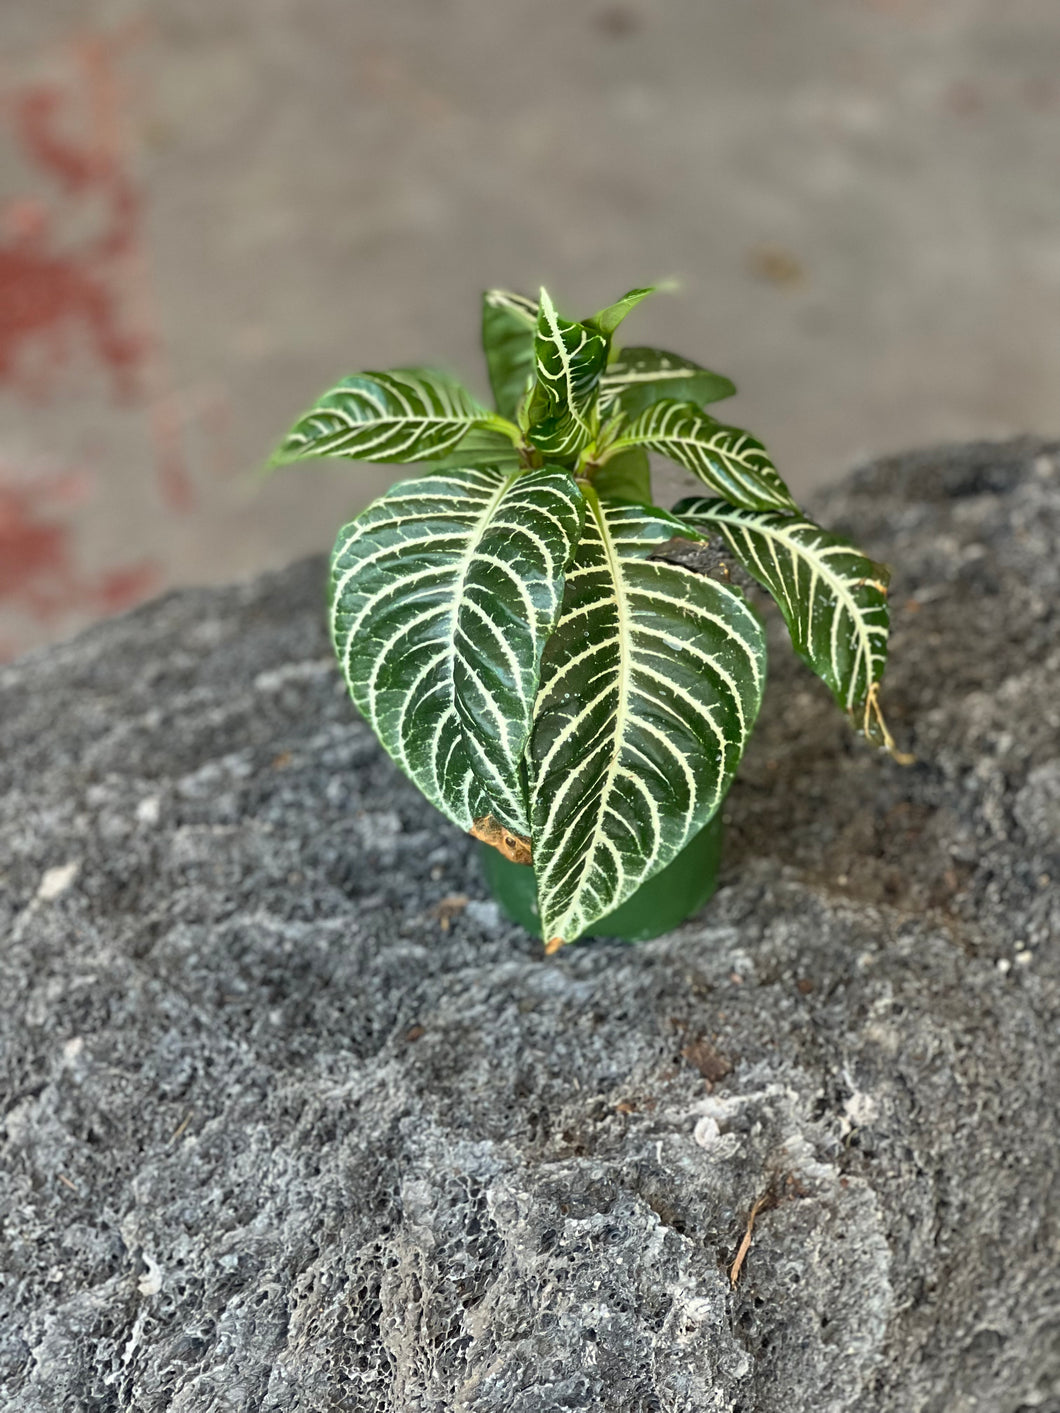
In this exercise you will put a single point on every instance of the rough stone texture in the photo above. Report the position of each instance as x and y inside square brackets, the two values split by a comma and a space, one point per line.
[283, 1133]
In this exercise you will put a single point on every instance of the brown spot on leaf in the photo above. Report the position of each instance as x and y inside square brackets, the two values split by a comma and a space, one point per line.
[514, 847]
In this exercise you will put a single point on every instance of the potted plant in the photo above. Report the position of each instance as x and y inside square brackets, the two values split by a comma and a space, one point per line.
[506, 628]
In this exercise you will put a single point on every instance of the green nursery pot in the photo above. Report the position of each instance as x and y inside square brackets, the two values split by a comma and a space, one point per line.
[658, 906]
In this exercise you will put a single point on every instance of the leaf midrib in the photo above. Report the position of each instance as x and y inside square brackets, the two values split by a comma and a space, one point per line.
[623, 670]
[465, 560]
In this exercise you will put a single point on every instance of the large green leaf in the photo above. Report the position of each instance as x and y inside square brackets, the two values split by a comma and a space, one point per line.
[638, 377]
[443, 593]
[509, 322]
[409, 414]
[730, 461]
[510, 599]
[833, 598]
[569, 361]
[650, 685]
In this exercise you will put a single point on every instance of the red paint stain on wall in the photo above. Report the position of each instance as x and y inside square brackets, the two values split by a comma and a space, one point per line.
[38, 571]
[55, 291]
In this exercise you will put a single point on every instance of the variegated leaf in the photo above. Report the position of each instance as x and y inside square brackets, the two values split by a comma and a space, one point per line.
[638, 377]
[569, 361]
[833, 598]
[509, 323]
[650, 685]
[443, 593]
[409, 414]
[509, 602]
[730, 461]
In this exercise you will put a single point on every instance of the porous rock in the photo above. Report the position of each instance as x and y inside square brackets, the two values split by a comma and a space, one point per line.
[293, 1120]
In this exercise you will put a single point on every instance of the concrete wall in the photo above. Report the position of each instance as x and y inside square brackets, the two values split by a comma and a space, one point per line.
[210, 208]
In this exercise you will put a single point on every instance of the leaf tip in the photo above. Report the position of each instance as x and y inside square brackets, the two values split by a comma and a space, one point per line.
[284, 455]
[874, 728]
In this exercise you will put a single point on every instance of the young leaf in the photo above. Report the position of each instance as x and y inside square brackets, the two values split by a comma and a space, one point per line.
[443, 593]
[569, 359]
[833, 598]
[606, 321]
[627, 477]
[639, 377]
[409, 414]
[650, 685]
[730, 461]
[509, 322]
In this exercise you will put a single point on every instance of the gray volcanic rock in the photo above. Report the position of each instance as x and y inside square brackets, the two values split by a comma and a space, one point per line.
[293, 1120]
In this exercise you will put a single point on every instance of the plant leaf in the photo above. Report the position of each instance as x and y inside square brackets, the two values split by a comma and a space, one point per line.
[626, 477]
[409, 414]
[833, 598]
[650, 685]
[606, 321]
[639, 377]
[727, 459]
[569, 359]
[443, 593]
[510, 601]
[509, 322]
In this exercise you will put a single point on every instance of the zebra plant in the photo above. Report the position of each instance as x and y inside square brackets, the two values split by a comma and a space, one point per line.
[506, 628]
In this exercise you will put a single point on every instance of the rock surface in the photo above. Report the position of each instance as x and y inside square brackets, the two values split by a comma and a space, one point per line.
[294, 1122]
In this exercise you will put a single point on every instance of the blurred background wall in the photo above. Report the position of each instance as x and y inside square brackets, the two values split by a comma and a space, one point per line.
[210, 209]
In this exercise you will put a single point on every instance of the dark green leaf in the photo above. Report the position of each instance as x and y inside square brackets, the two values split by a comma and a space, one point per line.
[727, 459]
[833, 598]
[650, 685]
[626, 477]
[443, 593]
[509, 322]
[569, 361]
[408, 414]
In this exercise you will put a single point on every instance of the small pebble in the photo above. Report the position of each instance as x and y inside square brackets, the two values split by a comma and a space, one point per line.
[55, 881]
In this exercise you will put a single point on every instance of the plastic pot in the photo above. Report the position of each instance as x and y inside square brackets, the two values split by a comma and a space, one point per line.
[658, 906]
